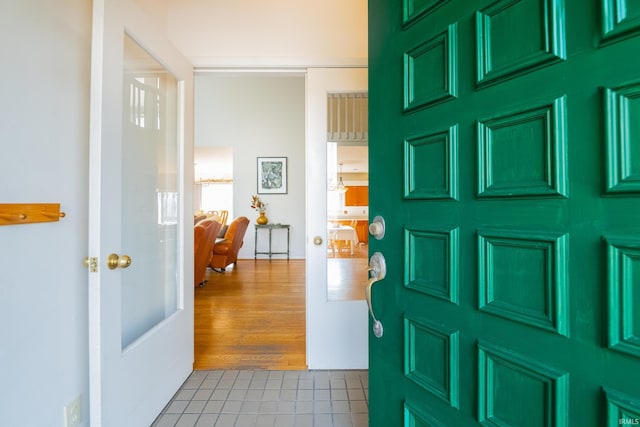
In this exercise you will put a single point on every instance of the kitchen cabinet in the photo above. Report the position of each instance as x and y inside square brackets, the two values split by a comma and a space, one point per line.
[357, 195]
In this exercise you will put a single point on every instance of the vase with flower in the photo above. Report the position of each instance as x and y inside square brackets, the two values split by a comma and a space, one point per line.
[260, 207]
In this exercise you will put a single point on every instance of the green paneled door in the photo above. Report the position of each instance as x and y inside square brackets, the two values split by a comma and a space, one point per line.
[505, 159]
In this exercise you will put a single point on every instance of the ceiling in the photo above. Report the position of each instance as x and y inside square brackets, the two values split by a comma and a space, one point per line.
[354, 159]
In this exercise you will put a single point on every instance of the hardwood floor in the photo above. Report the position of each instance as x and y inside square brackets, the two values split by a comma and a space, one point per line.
[347, 278]
[347, 274]
[252, 317]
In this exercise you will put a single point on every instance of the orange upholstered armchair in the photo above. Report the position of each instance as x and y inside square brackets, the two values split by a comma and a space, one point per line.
[204, 236]
[226, 252]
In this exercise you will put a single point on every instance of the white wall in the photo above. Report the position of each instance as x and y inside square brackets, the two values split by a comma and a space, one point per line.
[259, 115]
[44, 82]
[275, 33]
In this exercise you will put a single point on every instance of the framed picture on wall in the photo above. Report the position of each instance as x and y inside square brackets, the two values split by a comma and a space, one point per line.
[272, 175]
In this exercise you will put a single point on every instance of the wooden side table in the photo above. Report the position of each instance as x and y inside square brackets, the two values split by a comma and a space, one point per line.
[271, 227]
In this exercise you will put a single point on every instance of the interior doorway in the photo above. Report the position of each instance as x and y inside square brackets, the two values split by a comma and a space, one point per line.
[240, 117]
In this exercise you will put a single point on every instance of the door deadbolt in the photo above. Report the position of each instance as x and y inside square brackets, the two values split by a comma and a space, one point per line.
[377, 228]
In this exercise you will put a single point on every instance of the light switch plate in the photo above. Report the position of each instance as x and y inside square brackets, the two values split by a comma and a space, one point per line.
[72, 415]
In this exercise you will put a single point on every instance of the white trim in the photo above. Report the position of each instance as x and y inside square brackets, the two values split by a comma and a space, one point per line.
[204, 62]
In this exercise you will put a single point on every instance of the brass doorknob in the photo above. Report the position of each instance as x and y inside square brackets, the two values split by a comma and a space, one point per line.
[114, 261]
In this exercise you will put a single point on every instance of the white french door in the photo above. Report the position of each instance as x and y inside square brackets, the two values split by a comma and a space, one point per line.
[140, 304]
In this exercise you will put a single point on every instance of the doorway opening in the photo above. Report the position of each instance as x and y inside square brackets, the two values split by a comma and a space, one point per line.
[241, 117]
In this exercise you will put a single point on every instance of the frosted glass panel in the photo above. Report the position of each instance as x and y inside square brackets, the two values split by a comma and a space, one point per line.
[150, 193]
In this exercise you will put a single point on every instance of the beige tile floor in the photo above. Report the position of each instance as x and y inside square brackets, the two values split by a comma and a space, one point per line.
[248, 398]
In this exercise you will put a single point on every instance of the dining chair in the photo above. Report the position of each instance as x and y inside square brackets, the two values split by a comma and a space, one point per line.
[220, 216]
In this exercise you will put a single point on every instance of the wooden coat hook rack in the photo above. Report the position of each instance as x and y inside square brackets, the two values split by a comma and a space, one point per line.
[27, 213]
